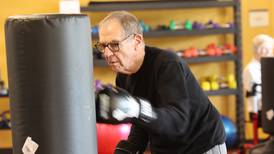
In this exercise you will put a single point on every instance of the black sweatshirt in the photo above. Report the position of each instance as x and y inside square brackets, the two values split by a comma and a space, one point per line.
[187, 122]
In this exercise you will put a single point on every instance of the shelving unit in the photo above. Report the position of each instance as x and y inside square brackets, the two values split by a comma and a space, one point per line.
[235, 30]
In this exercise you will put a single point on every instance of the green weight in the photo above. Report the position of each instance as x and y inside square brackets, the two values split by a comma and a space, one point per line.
[172, 25]
[188, 25]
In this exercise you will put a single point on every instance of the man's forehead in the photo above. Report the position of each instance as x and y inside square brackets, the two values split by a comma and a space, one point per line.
[109, 26]
[105, 38]
[110, 32]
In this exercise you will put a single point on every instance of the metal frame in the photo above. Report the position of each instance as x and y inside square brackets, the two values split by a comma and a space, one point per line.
[240, 116]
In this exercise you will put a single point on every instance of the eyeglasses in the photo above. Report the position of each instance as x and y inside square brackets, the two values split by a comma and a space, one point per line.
[113, 45]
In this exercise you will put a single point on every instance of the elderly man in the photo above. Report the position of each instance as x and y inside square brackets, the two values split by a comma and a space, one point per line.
[157, 93]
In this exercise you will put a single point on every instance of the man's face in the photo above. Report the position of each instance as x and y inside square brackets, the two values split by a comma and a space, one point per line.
[118, 48]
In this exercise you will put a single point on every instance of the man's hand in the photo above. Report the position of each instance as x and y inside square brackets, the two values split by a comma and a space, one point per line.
[114, 104]
[117, 104]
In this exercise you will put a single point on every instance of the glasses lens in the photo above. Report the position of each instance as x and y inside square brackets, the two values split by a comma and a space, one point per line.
[100, 46]
[114, 46]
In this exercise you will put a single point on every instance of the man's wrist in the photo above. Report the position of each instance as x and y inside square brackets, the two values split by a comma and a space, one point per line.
[147, 113]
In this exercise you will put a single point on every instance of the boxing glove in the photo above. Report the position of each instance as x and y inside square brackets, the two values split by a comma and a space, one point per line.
[116, 105]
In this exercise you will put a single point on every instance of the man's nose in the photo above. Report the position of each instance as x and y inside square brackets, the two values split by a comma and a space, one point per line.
[108, 52]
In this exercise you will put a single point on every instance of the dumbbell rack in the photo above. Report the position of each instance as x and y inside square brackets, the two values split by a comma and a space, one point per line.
[173, 4]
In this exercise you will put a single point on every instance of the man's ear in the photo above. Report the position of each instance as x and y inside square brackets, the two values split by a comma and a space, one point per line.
[139, 41]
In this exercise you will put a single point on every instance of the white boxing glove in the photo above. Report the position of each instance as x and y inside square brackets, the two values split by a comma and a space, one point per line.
[115, 103]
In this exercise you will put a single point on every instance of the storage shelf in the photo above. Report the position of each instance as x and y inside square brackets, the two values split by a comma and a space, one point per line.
[183, 32]
[6, 150]
[206, 59]
[4, 96]
[152, 5]
[222, 92]
[202, 59]
[5, 129]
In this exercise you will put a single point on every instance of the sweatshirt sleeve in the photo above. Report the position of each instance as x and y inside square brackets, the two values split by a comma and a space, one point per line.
[138, 137]
[173, 117]
[136, 143]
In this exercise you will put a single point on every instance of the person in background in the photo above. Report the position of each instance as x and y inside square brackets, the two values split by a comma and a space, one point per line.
[262, 47]
[155, 91]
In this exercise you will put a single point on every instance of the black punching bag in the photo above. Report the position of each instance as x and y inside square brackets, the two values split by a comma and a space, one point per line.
[50, 80]
[268, 102]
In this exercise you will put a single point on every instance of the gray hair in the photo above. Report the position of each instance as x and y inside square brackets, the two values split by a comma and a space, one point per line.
[129, 22]
[262, 40]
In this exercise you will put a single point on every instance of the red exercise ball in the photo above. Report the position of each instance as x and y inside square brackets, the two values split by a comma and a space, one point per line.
[108, 136]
